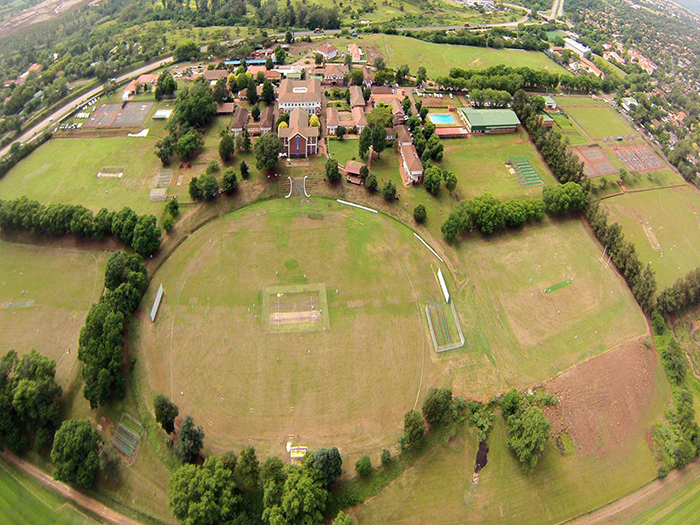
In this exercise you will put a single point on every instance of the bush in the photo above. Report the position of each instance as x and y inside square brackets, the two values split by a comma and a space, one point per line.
[420, 214]
[364, 466]
[389, 191]
[386, 457]
[510, 403]
[371, 182]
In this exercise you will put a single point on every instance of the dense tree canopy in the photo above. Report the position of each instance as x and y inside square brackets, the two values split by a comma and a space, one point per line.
[74, 453]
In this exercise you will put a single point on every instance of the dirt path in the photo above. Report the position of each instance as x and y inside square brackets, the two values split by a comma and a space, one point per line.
[69, 492]
[650, 494]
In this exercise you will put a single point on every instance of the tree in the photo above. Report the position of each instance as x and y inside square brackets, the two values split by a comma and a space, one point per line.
[165, 85]
[386, 457]
[365, 141]
[227, 147]
[314, 122]
[251, 92]
[212, 167]
[109, 466]
[190, 442]
[401, 74]
[450, 180]
[301, 499]
[343, 519]
[379, 63]
[244, 170]
[340, 132]
[432, 179]
[332, 173]
[267, 151]
[146, 239]
[420, 214]
[329, 462]
[413, 123]
[173, 207]
[528, 433]
[221, 91]
[371, 182]
[248, 467]
[421, 76]
[437, 407]
[209, 185]
[229, 182]
[195, 189]
[357, 76]
[165, 149]
[246, 140]
[363, 466]
[378, 139]
[189, 144]
[510, 403]
[364, 171]
[75, 453]
[273, 470]
[413, 431]
[166, 412]
[206, 494]
[168, 223]
[280, 55]
[268, 92]
[187, 51]
[389, 190]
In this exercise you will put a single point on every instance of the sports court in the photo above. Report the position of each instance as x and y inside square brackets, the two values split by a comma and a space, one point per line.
[638, 158]
[116, 116]
[523, 169]
[595, 163]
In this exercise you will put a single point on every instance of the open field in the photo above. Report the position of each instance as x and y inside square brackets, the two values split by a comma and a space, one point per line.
[682, 506]
[664, 226]
[439, 58]
[25, 500]
[266, 387]
[561, 486]
[45, 294]
[480, 165]
[599, 122]
[518, 335]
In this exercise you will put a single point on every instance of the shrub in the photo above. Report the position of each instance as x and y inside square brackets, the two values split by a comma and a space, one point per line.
[364, 466]
[420, 214]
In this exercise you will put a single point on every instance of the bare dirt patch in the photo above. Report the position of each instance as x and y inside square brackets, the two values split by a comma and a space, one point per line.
[36, 14]
[601, 400]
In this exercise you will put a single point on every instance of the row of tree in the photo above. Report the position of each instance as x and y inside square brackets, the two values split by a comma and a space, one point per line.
[682, 294]
[101, 341]
[19, 151]
[488, 214]
[137, 231]
[564, 164]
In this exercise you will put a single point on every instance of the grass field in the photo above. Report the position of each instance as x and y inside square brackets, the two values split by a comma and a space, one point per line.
[439, 58]
[561, 486]
[682, 506]
[516, 335]
[664, 226]
[479, 163]
[25, 500]
[599, 122]
[315, 388]
[62, 284]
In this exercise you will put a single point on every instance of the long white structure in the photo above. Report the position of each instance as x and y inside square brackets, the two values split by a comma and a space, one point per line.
[575, 46]
[443, 286]
[156, 303]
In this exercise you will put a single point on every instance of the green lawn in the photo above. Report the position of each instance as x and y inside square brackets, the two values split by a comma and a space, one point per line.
[479, 163]
[599, 122]
[516, 334]
[25, 500]
[670, 216]
[345, 150]
[439, 58]
[682, 506]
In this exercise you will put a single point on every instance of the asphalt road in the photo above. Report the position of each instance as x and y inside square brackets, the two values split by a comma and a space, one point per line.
[69, 107]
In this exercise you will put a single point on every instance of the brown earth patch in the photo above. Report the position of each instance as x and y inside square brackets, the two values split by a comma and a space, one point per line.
[602, 399]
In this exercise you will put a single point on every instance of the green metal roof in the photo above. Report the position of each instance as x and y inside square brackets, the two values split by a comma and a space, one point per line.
[549, 100]
[479, 118]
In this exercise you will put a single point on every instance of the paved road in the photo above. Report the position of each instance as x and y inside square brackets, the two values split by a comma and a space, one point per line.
[69, 107]
[69, 492]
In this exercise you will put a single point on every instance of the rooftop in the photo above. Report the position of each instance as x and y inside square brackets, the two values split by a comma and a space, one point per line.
[490, 117]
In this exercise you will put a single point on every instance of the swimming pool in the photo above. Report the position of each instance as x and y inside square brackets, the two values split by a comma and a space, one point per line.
[441, 118]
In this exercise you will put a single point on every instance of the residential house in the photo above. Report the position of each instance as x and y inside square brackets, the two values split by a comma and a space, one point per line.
[356, 53]
[300, 139]
[334, 74]
[327, 51]
[303, 94]
[267, 119]
[240, 121]
[356, 97]
[412, 172]
[225, 108]
[403, 135]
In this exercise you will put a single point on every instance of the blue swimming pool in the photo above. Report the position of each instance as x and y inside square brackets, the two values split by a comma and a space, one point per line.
[441, 118]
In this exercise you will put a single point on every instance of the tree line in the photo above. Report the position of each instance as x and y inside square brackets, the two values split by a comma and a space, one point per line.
[101, 341]
[487, 214]
[496, 38]
[140, 232]
[20, 151]
[682, 294]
